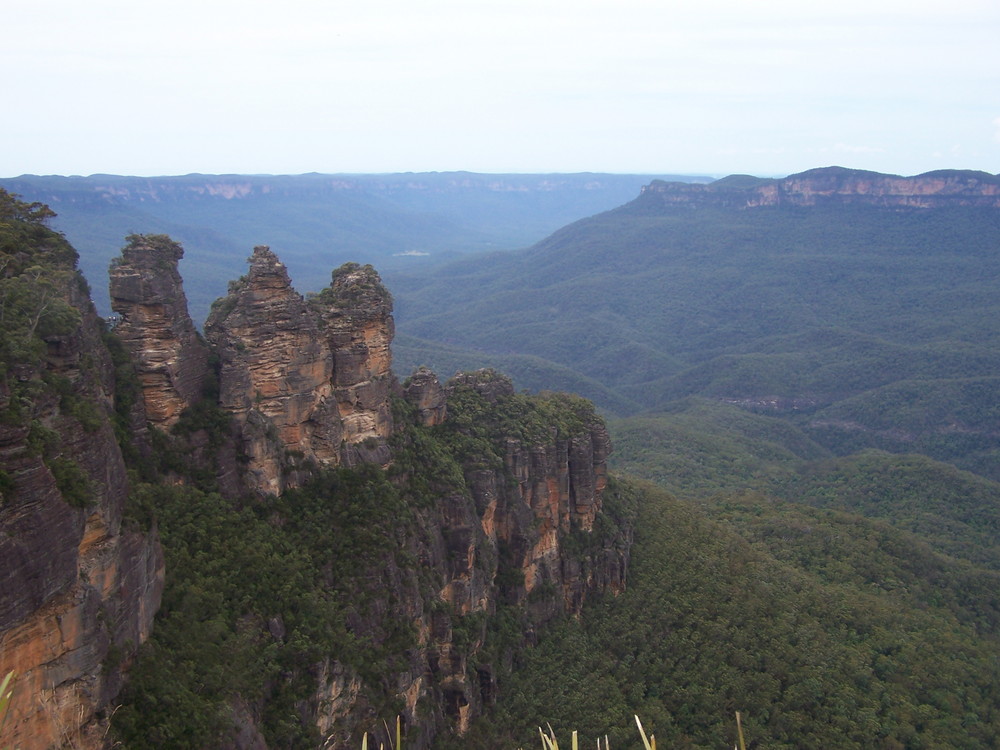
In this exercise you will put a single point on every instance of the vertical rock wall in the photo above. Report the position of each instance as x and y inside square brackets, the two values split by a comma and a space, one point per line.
[78, 590]
[307, 381]
[356, 316]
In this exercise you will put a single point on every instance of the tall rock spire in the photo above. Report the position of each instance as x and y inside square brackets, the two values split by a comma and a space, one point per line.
[171, 359]
[357, 323]
[274, 374]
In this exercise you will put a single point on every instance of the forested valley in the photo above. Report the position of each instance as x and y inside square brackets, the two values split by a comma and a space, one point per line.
[799, 518]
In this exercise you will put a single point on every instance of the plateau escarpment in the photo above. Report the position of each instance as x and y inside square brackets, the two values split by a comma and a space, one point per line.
[78, 586]
[837, 186]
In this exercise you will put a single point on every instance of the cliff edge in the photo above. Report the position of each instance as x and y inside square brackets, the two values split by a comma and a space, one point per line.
[834, 186]
[78, 586]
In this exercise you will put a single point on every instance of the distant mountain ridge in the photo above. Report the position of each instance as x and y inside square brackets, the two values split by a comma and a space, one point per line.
[123, 188]
[316, 221]
[837, 185]
[835, 297]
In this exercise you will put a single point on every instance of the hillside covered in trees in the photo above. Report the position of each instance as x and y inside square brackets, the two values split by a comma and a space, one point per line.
[326, 545]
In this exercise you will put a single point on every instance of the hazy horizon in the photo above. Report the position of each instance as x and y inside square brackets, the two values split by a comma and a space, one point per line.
[625, 87]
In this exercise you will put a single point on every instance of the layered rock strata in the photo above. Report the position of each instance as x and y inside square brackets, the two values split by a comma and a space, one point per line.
[837, 186]
[546, 489]
[424, 391]
[308, 382]
[498, 539]
[171, 359]
[503, 542]
[78, 589]
[356, 318]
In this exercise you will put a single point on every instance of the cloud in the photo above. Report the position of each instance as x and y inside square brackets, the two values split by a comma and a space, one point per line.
[996, 124]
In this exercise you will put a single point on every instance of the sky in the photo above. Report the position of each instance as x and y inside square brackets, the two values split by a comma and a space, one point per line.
[771, 87]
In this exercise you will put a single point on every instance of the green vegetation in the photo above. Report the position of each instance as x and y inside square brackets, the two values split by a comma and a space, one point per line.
[786, 564]
[713, 620]
[36, 266]
[264, 595]
[38, 283]
[835, 319]
[258, 597]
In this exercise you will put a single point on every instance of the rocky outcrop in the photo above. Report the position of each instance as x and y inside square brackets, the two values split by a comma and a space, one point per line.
[516, 531]
[508, 521]
[78, 589]
[356, 318]
[506, 540]
[424, 391]
[171, 359]
[308, 382]
[274, 373]
[836, 186]
[548, 487]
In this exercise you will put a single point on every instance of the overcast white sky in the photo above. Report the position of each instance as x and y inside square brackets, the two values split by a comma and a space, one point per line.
[145, 87]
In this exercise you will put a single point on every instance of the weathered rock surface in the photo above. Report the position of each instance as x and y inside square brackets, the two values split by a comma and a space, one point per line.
[499, 539]
[171, 359]
[356, 317]
[78, 591]
[503, 542]
[838, 186]
[423, 390]
[308, 382]
[274, 373]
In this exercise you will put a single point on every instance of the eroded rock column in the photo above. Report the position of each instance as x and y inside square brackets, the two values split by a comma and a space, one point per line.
[171, 359]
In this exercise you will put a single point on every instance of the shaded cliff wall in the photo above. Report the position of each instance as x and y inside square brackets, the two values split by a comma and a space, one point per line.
[507, 493]
[78, 588]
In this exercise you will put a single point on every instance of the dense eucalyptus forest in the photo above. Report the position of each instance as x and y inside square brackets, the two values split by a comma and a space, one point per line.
[802, 521]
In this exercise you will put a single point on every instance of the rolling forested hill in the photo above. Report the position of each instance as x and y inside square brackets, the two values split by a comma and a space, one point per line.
[802, 401]
[868, 326]
[803, 377]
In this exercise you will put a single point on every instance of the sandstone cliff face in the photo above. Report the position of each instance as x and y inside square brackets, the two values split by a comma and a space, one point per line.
[546, 489]
[503, 542]
[834, 185]
[78, 590]
[517, 533]
[171, 359]
[307, 382]
[274, 373]
[509, 523]
[356, 317]
[424, 391]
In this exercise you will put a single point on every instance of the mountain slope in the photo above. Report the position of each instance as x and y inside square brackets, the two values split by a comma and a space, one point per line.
[791, 306]
[783, 614]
